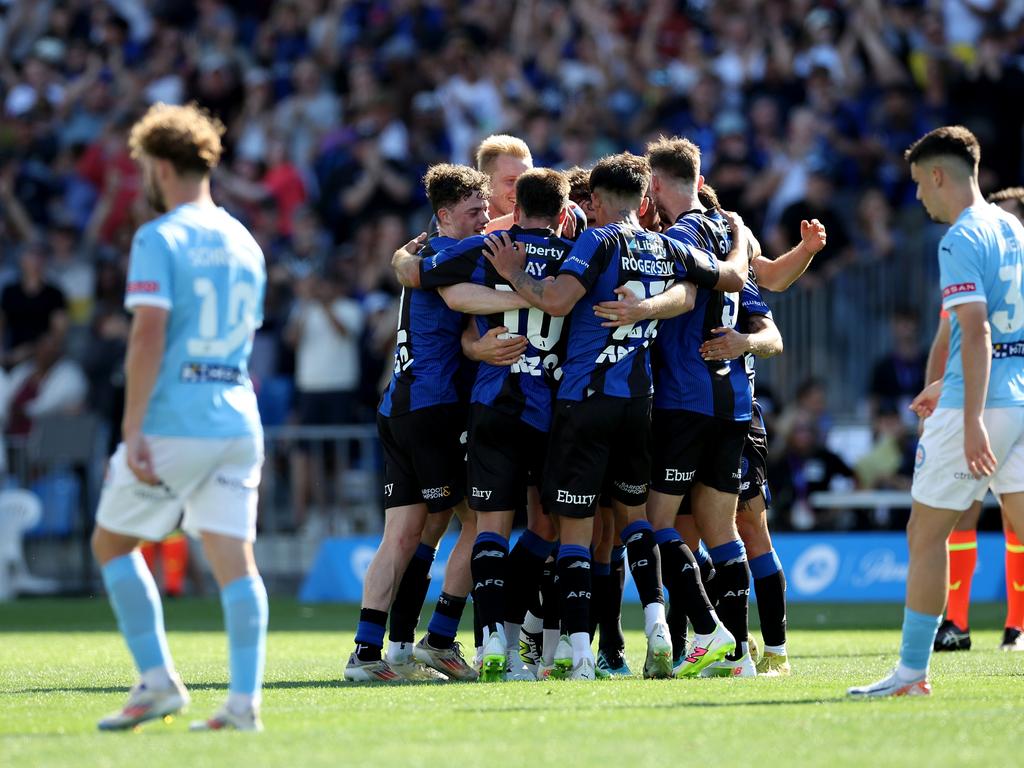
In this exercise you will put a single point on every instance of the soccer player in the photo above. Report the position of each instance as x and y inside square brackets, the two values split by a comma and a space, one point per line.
[503, 159]
[421, 421]
[192, 433]
[954, 634]
[975, 437]
[601, 421]
[510, 419]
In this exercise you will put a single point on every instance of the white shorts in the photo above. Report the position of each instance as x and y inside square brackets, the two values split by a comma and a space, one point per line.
[214, 482]
[941, 476]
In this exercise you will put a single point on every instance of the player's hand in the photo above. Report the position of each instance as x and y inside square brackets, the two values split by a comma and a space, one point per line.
[735, 221]
[977, 450]
[812, 235]
[139, 458]
[728, 344]
[627, 310]
[414, 246]
[927, 400]
[506, 255]
[569, 222]
[497, 347]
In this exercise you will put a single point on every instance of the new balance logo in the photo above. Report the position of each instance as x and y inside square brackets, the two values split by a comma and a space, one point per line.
[489, 553]
[580, 564]
[478, 494]
[1017, 587]
[955, 585]
[634, 537]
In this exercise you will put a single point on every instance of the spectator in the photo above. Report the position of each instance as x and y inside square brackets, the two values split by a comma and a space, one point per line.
[325, 329]
[44, 385]
[889, 464]
[897, 378]
[31, 308]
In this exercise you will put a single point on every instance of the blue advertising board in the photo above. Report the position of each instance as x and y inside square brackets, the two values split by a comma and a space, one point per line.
[824, 567]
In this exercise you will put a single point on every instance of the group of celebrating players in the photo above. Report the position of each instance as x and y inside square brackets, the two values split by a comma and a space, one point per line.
[579, 344]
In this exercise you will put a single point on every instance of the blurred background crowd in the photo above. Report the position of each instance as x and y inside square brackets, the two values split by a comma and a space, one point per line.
[335, 108]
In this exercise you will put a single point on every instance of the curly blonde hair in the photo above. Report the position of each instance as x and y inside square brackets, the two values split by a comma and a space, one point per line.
[188, 136]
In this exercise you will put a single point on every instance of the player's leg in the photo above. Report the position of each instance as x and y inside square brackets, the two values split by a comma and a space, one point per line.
[606, 604]
[769, 584]
[687, 528]
[438, 649]
[954, 633]
[574, 578]
[1013, 633]
[1008, 485]
[222, 511]
[128, 512]
[412, 591]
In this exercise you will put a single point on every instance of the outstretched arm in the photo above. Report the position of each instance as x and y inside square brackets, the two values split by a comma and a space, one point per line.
[629, 308]
[777, 275]
[406, 263]
[732, 272]
[473, 299]
[763, 340]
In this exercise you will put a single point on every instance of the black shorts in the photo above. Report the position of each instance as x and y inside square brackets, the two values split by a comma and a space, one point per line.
[505, 455]
[593, 438]
[424, 457]
[695, 448]
[754, 467]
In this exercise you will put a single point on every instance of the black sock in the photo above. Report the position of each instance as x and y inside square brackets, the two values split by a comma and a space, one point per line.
[444, 624]
[370, 634]
[478, 628]
[551, 611]
[574, 579]
[412, 591]
[682, 578]
[770, 588]
[644, 563]
[609, 610]
[488, 566]
[525, 568]
[600, 581]
[733, 589]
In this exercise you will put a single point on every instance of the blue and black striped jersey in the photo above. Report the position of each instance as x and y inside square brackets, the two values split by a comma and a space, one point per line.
[683, 380]
[428, 353]
[525, 389]
[616, 361]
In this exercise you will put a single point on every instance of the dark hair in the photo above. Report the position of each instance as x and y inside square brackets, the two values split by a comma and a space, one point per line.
[579, 184]
[947, 141]
[448, 185]
[708, 197]
[677, 157]
[542, 193]
[625, 175]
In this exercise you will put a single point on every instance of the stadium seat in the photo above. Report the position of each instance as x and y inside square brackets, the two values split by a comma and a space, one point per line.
[20, 511]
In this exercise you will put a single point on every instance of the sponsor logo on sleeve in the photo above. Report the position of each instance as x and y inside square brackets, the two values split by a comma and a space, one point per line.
[952, 290]
[143, 286]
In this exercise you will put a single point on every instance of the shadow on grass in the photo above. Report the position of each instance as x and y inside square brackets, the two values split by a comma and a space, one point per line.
[274, 685]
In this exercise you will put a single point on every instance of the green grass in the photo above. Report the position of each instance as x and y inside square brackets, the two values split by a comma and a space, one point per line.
[62, 665]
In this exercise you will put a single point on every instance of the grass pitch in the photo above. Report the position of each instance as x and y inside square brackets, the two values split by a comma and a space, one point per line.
[63, 665]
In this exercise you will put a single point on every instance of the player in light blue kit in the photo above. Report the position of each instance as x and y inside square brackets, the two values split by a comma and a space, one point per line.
[192, 434]
[974, 432]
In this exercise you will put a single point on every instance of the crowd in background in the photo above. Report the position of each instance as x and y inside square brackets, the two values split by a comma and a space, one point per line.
[335, 108]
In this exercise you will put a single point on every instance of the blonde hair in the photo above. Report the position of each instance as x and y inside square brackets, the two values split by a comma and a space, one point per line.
[187, 136]
[499, 144]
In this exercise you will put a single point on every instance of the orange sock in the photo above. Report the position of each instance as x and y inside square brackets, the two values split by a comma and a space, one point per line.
[149, 550]
[963, 557]
[1014, 580]
[175, 554]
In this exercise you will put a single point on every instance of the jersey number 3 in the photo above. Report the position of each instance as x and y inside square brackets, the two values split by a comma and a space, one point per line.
[1011, 321]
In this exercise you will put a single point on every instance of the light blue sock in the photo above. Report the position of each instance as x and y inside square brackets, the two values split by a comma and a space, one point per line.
[136, 602]
[918, 636]
[245, 617]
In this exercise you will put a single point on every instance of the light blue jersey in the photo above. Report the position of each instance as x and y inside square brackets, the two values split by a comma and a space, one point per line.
[203, 266]
[981, 258]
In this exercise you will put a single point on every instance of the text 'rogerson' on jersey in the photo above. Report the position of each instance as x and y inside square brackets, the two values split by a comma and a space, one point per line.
[616, 361]
[523, 390]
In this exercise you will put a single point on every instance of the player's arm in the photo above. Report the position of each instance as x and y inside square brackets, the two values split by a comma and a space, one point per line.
[473, 299]
[780, 273]
[141, 367]
[763, 340]
[976, 357]
[630, 309]
[406, 262]
[491, 348]
[556, 297]
[927, 399]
